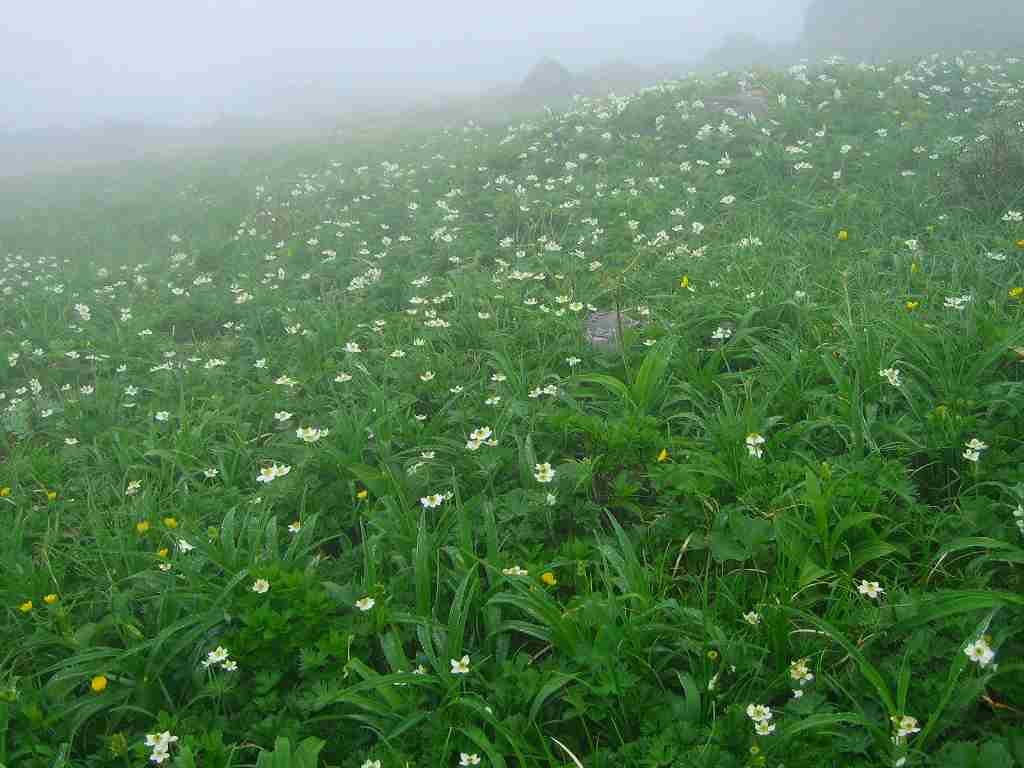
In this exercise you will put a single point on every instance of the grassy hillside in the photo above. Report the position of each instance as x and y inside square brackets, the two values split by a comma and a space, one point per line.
[307, 459]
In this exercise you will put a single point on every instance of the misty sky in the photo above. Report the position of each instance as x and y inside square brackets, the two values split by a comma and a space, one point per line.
[77, 61]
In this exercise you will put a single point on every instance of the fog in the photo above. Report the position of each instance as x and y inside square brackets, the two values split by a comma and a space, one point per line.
[68, 63]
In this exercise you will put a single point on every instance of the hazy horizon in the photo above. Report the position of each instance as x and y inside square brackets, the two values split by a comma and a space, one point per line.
[72, 66]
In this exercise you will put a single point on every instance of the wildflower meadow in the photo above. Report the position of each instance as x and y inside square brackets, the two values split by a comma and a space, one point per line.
[311, 461]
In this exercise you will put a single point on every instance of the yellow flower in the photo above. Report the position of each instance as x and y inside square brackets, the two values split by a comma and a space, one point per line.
[162, 552]
[843, 235]
[98, 684]
[713, 655]
[914, 268]
[663, 456]
[363, 495]
[142, 526]
[25, 607]
[5, 492]
[912, 305]
[50, 599]
[51, 495]
[1020, 243]
[685, 282]
[549, 578]
[170, 522]
[1016, 292]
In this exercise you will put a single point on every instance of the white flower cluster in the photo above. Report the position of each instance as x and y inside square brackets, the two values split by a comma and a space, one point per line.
[161, 745]
[892, 375]
[365, 280]
[761, 714]
[480, 436]
[271, 473]
[219, 656]
[973, 449]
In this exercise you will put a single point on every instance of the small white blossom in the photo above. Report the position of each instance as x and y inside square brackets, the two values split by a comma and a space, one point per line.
[365, 604]
[543, 473]
[980, 652]
[870, 589]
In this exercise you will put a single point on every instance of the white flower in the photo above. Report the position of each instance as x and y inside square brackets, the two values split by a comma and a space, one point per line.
[427, 376]
[460, 666]
[365, 604]
[478, 437]
[210, 473]
[374, 763]
[162, 416]
[754, 441]
[753, 618]
[161, 745]
[980, 652]
[342, 377]
[352, 347]
[515, 570]
[1015, 216]
[217, 656]
[870, 589]
[543, 473]
[892, 375]
[551, 499]
[295, 527]
[973, 449]
[721, 334]
[764, 728]
[800, 672]
[905, 726]
[260, 586]
[432, 501]
[271, 473]
[759, 713]
[467, 759]
[311, 434]
[282, 416]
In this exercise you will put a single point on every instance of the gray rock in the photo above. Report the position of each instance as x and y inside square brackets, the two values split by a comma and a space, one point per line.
[743, 103]
[602, 328]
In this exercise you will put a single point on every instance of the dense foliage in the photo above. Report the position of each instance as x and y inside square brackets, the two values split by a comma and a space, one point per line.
[318, 468]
